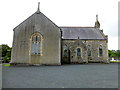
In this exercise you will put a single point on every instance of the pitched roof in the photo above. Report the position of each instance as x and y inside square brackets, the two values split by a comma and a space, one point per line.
[82, 33]
[34, 19]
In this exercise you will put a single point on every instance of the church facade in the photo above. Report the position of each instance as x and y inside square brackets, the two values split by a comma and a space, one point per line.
[38, 40]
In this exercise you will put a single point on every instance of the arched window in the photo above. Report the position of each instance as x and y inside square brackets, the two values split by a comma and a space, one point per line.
[89, 50]
[65, 50]
[100, 51]
[36, 44]
[78, 52]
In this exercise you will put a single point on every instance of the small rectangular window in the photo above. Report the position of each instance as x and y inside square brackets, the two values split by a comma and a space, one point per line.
[78, 52]
[65, 51]
[89, 50]
[100, 51]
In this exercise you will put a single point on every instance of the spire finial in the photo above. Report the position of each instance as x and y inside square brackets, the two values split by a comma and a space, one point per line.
[97, 24]
[38, 6]
[96, 17]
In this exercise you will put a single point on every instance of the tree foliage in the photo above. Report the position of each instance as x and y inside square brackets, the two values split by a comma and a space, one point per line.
[113, 53]
[5, 51]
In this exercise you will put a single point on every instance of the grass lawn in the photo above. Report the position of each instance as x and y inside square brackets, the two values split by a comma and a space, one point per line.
[115, 61]
[7, 65]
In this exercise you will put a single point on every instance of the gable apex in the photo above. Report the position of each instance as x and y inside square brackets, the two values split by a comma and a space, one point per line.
[34, 18]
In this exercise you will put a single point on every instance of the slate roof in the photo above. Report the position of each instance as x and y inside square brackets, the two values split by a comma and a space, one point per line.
[86, 33]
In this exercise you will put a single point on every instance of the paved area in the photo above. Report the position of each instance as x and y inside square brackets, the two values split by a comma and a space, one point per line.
[65, 76]
[0, 76]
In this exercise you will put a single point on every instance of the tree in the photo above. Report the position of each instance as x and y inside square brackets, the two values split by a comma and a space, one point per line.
[113, 53]
[118, 51]
[5, 51]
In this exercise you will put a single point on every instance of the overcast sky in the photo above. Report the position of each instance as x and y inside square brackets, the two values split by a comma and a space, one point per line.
[62, 13]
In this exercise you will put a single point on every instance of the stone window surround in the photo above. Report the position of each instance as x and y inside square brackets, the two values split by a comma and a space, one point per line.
[65, 47]
[90, 50]
[80, 51]
[99, 51]
[41, 41]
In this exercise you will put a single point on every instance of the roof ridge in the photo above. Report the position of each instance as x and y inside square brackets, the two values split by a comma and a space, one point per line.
[76, 27]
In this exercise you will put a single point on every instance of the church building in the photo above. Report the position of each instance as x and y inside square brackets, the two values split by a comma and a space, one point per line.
[38, 40]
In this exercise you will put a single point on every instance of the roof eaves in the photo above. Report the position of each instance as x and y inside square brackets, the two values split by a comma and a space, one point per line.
[81, 39]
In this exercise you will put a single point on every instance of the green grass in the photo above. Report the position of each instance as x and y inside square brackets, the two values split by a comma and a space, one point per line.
[115, 61]
[7, 65]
